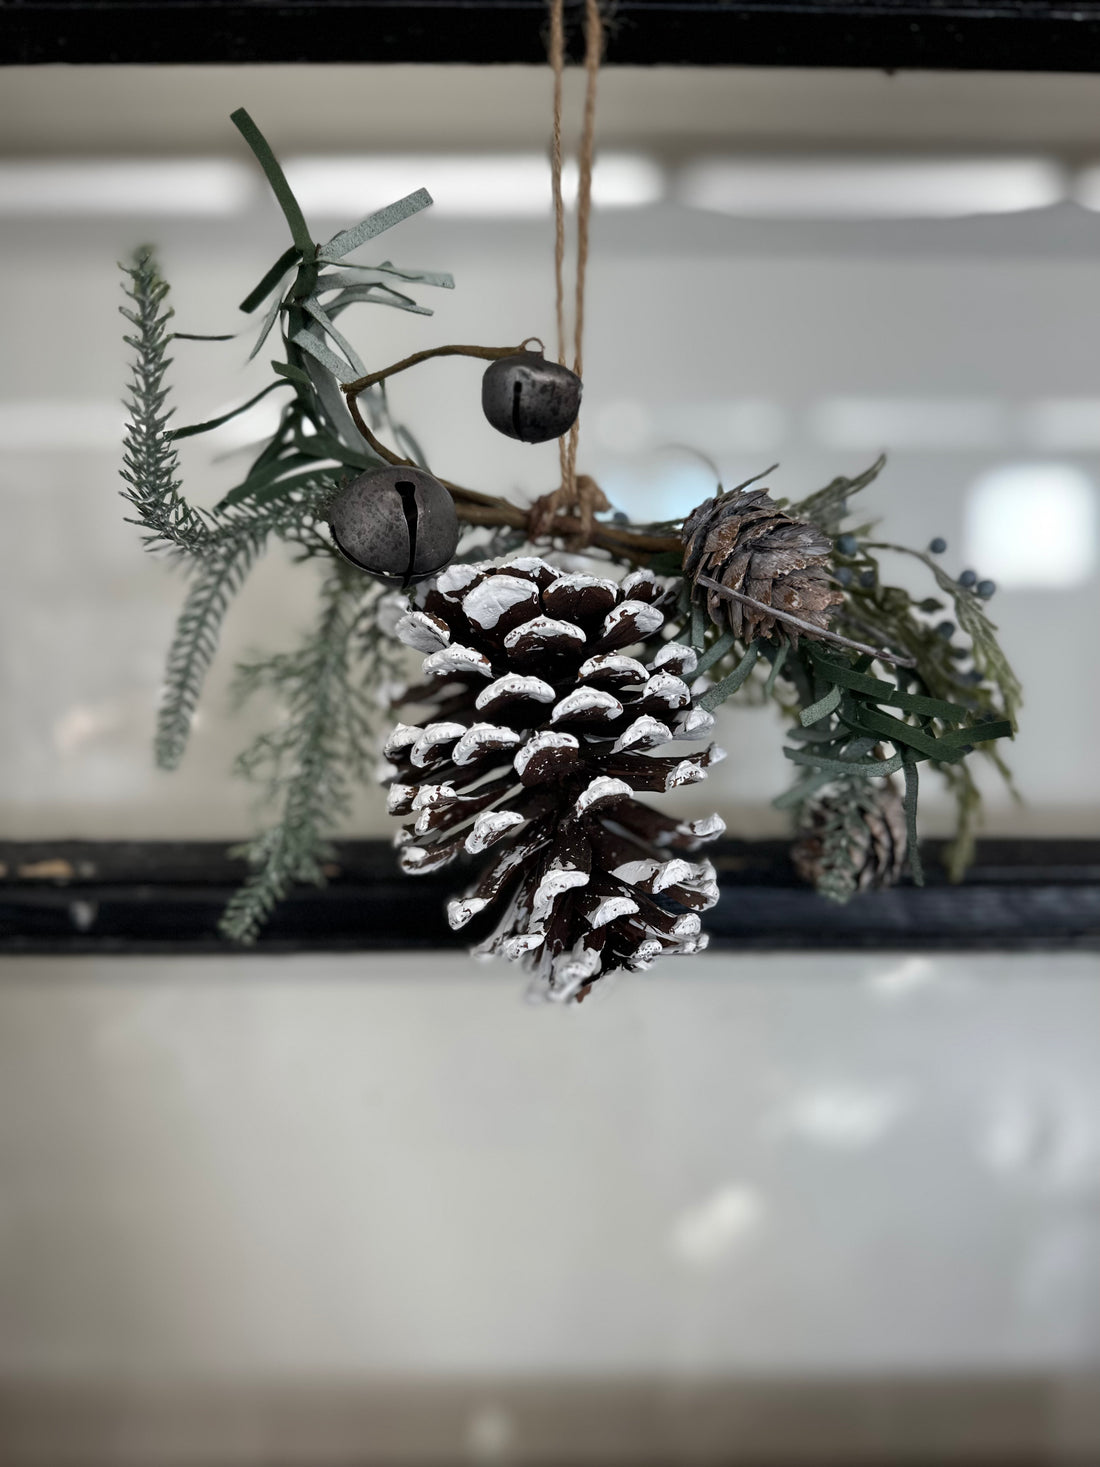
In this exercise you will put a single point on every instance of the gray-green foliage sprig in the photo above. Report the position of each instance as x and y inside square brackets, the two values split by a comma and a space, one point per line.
[859, 718]
[309, 760]
[221, 565]
[327, 690]
[150, 465]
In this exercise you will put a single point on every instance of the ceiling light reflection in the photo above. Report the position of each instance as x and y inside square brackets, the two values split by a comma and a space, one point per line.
[90, 186]
[1034, 526]
[870, 188]
[489, 185]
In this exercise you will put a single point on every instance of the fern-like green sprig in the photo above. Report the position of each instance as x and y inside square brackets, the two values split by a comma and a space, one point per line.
[326, 739]
[327, 692]
[150, 467]
[218, 572]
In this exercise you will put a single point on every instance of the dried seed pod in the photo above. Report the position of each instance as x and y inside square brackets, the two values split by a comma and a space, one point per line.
[397, 523]
[527, 397]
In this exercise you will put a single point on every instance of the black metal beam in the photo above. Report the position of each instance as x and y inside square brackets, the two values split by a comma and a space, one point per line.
[165, 897]
[1012, 35]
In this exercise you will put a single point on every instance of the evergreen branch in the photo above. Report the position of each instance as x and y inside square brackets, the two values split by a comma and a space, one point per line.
[232, 548]
[310, 759]
[150, 467]
[828, 507]
[986, 651]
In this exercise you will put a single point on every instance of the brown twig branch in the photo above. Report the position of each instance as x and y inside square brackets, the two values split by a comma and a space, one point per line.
[804, 626]
[475, 508]
[485, 353]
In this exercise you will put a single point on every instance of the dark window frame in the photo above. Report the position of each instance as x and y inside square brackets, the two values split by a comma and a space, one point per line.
[1011, 35]
[67, 897]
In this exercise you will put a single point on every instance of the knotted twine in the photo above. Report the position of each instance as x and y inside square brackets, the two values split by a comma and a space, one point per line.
[579, 496]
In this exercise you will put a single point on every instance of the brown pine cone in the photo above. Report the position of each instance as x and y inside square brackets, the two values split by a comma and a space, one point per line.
[852, 839]
[538, 736]
[745, 541]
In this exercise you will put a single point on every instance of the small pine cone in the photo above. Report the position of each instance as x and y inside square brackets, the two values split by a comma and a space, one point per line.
[853, 839]
[743, 540]
[539, 735]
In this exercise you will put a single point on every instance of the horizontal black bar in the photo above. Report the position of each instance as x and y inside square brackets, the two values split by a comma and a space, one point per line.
[1014, 35]
[146, 897]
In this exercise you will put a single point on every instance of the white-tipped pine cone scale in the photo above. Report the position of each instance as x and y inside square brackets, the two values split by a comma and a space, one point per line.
[548, 693]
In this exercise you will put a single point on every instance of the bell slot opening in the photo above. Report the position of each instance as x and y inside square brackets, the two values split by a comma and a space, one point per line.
[407, 492]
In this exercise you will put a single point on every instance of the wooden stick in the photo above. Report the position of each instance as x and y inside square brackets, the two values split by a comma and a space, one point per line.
[485, 353]
[805, 626]
[483, 509]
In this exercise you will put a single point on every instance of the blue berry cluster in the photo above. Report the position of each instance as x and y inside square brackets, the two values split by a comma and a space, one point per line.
[968, 578]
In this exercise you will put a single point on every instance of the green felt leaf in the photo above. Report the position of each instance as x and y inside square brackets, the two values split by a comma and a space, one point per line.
[978, 733]
[729, 685]
[262, 474]
[350, 277]
[374, 224]
[339, 369]
[873, 720]
[292, 373]
[844, 676]
[268, 322]
[285, 262]
[441, 278]
[822, 708]
[321, 317]
[777, 667]
[867, 769]
[916, 870]
[698, 627]
[197, 336]
[715, 652]
[276, 487]
[377, 295]
[299, 229]
[193, 428]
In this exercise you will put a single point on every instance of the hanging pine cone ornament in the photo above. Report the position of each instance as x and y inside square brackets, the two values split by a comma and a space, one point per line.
[547, 693]
[852, 839]
[744, 541]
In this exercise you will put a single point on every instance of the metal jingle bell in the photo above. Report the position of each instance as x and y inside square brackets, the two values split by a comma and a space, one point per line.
[527, 397]
[396, 523]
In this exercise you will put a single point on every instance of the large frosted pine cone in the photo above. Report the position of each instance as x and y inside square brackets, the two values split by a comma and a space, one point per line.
[540, 731]
[851, 839]
[745, 541]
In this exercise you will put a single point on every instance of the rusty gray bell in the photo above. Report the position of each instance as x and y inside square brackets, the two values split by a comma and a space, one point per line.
[398, 523]
[527, 397]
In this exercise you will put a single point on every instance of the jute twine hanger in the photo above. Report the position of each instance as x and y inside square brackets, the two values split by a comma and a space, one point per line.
[579, 496]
